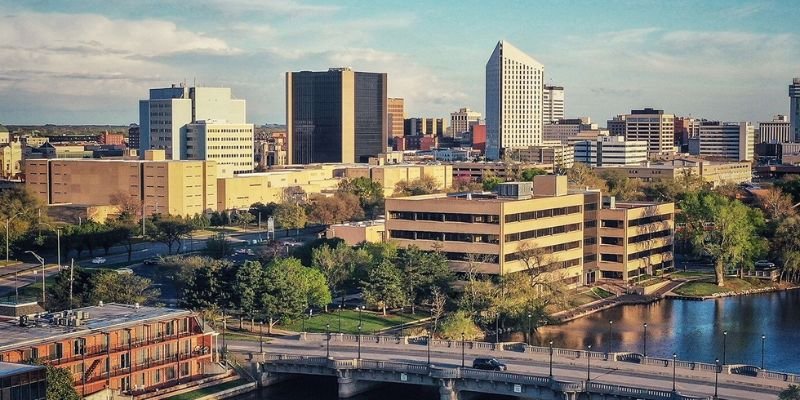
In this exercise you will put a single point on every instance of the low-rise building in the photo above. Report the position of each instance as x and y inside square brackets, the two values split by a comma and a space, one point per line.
[477, 171]
[22, 382]
[354, 233]
[730, 140]
[124, 349]
[11, 159]
[714, 173]
[388, 176]
[634, 239]
[779, 130]
[611, 150]
[240, 192]
[560, 156]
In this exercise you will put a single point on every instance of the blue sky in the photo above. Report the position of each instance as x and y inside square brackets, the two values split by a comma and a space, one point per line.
[90, 61]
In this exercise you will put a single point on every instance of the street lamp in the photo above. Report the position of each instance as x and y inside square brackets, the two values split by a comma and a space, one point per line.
[328, 341]
[716, 377]
[261, 336]
[530, 328]
[428, 344]
[610, 331]
[645, 340]
[551, 359]
[340, 318]
[359, 314]
[41, 260]
[462, 349]
[724, 345]
[763, 338]
[359, 342]
[674, 369]
[588, 363]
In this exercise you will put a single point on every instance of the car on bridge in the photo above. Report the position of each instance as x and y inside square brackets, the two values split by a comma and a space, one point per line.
[98, 260]
[152, 261]
[490, 364]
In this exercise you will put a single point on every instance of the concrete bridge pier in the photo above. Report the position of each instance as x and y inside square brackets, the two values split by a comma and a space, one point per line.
[447, 390]
[349, 387]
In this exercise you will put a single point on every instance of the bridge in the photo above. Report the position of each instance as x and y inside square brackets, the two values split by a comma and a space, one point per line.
[359, 363]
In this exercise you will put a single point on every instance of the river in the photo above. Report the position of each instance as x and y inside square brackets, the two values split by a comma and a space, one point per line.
[692, 329]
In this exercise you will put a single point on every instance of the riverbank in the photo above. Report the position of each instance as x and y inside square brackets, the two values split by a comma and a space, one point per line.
[705, 290]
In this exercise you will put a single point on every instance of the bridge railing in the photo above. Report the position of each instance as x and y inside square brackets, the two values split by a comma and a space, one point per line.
[617, 390]
[629, 357]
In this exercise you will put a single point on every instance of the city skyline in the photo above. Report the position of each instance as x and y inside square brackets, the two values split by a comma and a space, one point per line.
[90, 62]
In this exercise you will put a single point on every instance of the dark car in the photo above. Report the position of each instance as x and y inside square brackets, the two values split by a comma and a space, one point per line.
[152, 261]
[490, 364]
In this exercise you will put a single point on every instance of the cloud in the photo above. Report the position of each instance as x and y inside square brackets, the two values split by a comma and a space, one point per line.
[283, 7]
[745, 10]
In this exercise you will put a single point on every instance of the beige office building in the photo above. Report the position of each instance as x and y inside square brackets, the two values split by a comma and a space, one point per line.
[561, 157]
[11, 159]
[477, 171]
[462, 120]
[354, 233]
[635, 239]
[388, 176]
[162, 186]
[396, 114]
[241, 191]
[731, 140]
[653, 126]
[714, 173]
[230, 146]
[779, 130]
[552, 104]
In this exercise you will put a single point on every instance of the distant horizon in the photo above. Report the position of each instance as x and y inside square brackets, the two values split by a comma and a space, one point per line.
[89, 62]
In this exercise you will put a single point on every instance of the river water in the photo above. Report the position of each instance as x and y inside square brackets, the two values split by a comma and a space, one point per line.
[692, 329]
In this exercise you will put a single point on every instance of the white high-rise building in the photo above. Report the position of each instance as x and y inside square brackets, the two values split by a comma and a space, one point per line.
[778, 130]
[794, 107]
[611, 150]
[197, 123]
[552, 104]
[514, 85]
[733, 140]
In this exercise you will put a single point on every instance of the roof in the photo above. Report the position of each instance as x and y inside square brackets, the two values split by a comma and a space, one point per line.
[3, 128]
[103, 318]
[8, 369]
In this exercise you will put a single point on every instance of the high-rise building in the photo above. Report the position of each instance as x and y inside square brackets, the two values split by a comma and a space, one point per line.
[462, 120]
[396, 116]
[514, 84]
[424, 126]
[230, 145]
[610, 150]
[616, 126]
[552, 104]
[686, 128]
[133, 136]
[653, 126]
[794, 107]
[732, 140]
[336, 116]
[564, 130]
[164, 117]
[779, 130]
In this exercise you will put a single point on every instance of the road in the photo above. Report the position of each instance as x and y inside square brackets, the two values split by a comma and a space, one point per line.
[697, 383]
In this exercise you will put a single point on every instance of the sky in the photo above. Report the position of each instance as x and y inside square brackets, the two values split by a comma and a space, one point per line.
[89, 62]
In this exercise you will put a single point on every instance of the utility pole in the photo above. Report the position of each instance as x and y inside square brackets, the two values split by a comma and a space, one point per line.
[71, 269]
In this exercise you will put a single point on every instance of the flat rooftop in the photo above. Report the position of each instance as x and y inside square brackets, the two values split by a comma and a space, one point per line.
[103, 318]
[8, 369]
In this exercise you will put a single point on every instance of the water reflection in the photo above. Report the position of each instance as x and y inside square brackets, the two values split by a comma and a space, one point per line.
[693, 330]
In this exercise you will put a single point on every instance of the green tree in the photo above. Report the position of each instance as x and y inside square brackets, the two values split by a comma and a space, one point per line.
[337, 208]
[790, 184]
[203, 283]
[290, 216]
[786, 248]
[490, 183]
[425, 184]
[335, 263]
[217, 247]
[281, 298]
[790, 393]
[60, 385]
[261, 212]
[124, 232]
[420, 271]
[582, 176]
[620, 186]
[82, 286]
[23, 211]
[314, 285]
[724, 229]
[384, 287]
[457, 323]
[247, 285]
[243, 219]
[529, 173]
[113, 287]
[170, 230]
[370, 194]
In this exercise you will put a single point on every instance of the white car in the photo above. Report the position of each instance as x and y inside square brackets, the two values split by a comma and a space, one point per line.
[98, 260]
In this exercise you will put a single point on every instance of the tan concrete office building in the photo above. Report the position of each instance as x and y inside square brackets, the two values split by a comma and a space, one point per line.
[653, 126]
[559, 156]
[162, 186]
[241, 191]
[229, 145]
[635, 239]
[354, 233]
[11, 159]
[388, 176]
[396, 115]
[714, 173]
[495, 234]
[477, 171]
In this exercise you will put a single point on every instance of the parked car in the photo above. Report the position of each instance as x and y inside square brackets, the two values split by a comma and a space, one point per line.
[490, 364]
[152, 261]
[98, 260]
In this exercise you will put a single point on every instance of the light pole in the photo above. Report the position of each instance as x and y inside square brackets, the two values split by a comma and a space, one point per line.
[428, 345]
[724, 345]
[261, 337]
[645, 340]
[340, 318]
[359, 342]
[359, 314]
[530, 328]
[716, 377]
[462, 349]
[328, 341]
[588, 363]
[674, 369]
[610, 332]
[41, 260]
[551, 359]
[763, 339]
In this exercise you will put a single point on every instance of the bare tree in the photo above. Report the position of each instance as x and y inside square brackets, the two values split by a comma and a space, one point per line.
[776, 204]
[438, 303]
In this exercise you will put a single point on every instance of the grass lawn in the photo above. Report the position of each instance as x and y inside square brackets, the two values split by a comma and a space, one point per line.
[689, 274]
[10, 262]
[240, 336]
[35, 289]
[372, 322]
[195, 394]
[602, 293]
[707, 288]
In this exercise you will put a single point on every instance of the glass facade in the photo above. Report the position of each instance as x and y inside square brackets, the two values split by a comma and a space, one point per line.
[370, 106]
[27, 385]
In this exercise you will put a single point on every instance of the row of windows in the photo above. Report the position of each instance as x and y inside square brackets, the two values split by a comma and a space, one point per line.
[445, 217]
[547, 250]
[551, 212]
[513, 237]
[445, 236]
[649, 220]
[649, 236]
[647, 253]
